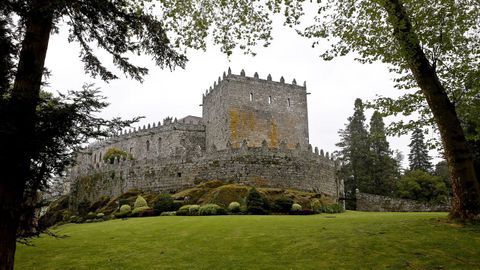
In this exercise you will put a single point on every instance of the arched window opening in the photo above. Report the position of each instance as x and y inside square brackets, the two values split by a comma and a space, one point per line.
[251, 96]
[148, 145]
[269, 99]
[288, 102]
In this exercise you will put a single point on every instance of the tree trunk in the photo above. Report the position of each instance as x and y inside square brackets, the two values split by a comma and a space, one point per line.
[17, 130]
[465, 186]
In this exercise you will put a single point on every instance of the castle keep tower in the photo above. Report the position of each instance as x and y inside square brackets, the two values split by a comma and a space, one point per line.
[240, 108]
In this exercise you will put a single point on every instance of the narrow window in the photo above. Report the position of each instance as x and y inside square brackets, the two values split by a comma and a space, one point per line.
[148, 145]
[251, 96]
[131, 150]
[288, 102]
[94, 158]
[179, 174]
[269, 99]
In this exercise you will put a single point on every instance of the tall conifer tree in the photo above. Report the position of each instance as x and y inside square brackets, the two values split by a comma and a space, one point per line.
[418, 157]
[382, 166]
[354, 152]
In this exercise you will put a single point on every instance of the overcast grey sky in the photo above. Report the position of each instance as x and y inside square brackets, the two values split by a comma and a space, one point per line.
[333, 85]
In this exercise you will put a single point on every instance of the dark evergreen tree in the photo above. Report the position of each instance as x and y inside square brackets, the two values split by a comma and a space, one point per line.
[418, 157]
[256, 203]
[383, 168]
[354, 154]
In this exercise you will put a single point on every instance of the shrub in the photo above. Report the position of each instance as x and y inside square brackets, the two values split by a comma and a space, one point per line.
[100, 215]
[234, 207]
[138, 210]
[211, 209]
[255, 203]
[177, 204]
[183, 211]
[422, 186]
[140, 202]
[164, 203]
[316, 205]
[188, 210]
[124, 211]
[283, 204]
[91, 215]
[332, 209]
[125, 208]
[148, 213]
[303, 212]
[193, 210]
[296, 207]
[171, 213]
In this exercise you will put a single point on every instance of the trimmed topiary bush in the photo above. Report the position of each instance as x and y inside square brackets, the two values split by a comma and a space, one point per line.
[188, 210]
[283, 204]
[139, 210]
[211, 209]
[140, 202]
[183, 211]
[91, 215]
[124, 211]
[234, 207]
[125, 208]
[296, 207]
[316, 205]
[100, 215]
[193, 210]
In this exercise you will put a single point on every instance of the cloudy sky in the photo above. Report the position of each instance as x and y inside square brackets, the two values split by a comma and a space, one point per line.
[333, 85]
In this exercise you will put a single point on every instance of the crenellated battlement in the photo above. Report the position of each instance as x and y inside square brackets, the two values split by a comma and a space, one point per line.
[227, 76]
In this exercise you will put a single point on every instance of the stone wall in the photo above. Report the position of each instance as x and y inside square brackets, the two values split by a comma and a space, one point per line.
[377, 203]
[263, 166]
[165, 141]
[242, 108]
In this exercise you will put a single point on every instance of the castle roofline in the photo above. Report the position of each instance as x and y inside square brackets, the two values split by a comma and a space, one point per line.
[229, 75]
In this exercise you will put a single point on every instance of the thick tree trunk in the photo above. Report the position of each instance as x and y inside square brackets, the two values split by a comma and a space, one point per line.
[18, 126]
[465, 186]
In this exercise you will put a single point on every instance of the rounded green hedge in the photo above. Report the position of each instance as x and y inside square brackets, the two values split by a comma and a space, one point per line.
[296, 207]
[211, 209]
[234, 207]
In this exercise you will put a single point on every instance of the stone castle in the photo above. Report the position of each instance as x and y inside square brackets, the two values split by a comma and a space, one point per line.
[253, 131]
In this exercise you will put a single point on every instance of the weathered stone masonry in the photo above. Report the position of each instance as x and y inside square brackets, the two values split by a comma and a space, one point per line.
[253, 131]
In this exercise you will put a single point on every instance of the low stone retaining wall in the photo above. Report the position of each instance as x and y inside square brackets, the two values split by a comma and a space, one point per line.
[377, 203]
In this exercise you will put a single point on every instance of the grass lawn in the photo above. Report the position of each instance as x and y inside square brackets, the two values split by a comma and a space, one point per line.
[352, 240]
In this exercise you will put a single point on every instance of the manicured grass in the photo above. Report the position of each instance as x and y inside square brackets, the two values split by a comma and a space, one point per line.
[352, 240]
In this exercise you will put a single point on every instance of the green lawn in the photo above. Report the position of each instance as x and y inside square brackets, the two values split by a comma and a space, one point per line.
[352, 240]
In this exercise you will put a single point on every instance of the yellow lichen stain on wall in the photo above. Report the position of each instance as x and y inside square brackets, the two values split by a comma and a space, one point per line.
[242, 126]
[234, 121]
[251, 121]
[273, 135]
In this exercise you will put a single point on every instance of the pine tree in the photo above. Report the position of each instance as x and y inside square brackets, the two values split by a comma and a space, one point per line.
[382, 168]
[418, 157]
[354, 153]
